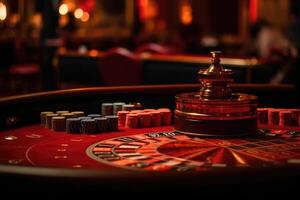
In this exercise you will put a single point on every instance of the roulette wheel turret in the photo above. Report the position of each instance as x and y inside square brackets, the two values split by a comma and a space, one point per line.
[215, 110]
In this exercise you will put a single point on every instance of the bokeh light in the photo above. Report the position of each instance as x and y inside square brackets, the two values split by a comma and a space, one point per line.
[78, 13]
[186, 16]
[3, 12]
[63, 9]
[85, 17]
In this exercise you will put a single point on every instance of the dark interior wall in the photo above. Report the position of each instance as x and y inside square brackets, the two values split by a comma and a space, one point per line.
[214, 16]
[224, 16]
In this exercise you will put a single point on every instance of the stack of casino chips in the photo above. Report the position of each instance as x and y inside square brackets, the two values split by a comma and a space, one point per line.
[75, 122]
[60, 112]
[78, 113]
[67, 115]
[145, 118]
[278, 117]
[49, 117]
[58, 123]
[112, 122]
[94, 115]
[115, 107]
[88, 126]
[43, 117]
[128, 107]
[107, 109]
[101, 124]
[73, 125]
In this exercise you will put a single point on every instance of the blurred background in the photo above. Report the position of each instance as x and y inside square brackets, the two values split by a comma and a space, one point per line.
[58, 44]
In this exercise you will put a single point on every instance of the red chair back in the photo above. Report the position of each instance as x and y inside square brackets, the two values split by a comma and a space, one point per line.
[153, 48]
[119, 66]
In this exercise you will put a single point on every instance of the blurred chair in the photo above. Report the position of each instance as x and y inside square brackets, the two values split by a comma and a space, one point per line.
[119, 66]
[153, 48]
[24, 78]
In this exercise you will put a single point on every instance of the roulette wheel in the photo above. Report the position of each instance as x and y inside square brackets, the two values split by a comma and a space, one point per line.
[150, 160]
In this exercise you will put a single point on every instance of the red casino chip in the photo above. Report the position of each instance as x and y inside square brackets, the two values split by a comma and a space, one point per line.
[132, 121]
[155, 118]
[285, 118]
[166, 116]
[262, 115]
[273, 116]
[122, 117]
[144, 120]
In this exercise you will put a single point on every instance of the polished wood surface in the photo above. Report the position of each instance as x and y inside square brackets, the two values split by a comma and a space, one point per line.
[181, 58]
[144, 89]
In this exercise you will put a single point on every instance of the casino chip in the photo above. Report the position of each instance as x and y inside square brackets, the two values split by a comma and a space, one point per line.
[144, 120]
[67, 115]
[132, 121]
[285, 118]
[49, 120]
[112, 122]
[273, 117]
[128, 107]
[117, 106]
[101, 124]
[73, 125]
[94, 115]
[62, 111]
[88, 126]
[107, 109]
[166, 116]
[84, 118]
[43, 117]
[295, 116]
[78, 113]
[58, 123]
[122, 117]
[155, 118]
[262, 115]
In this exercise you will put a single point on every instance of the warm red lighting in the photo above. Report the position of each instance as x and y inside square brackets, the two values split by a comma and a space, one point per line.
[148, 9]
[186, 15]
[86, 5]
[93, 53]
[253, 10]
[85, 17]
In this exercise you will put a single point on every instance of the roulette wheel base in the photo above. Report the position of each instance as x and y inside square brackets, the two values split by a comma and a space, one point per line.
[215, 111]
[215, 118]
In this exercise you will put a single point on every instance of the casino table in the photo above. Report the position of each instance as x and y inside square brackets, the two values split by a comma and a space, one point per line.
[152, 161]
[74, 68]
